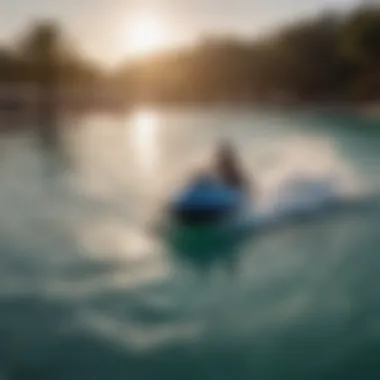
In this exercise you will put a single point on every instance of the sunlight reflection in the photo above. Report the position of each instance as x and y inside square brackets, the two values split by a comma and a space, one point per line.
[144, 131]
[111, 239]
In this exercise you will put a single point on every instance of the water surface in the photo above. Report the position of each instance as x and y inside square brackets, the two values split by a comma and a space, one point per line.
[87, 291]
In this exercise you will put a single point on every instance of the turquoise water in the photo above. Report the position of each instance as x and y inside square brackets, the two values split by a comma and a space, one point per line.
[88, 291]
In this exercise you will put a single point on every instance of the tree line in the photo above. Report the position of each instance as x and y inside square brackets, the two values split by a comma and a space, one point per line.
[330, 58]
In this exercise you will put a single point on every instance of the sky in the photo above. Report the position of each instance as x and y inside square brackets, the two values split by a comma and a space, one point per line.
[102, 28]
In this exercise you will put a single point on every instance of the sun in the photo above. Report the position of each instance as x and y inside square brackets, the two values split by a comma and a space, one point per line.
[145, 34]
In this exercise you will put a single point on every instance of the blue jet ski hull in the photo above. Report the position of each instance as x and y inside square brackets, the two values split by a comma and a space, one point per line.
[212, 207]
[204, 202]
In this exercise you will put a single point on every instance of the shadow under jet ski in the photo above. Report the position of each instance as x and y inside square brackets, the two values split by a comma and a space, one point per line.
[205, 248]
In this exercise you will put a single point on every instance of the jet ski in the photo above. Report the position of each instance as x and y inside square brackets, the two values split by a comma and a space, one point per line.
[205, 201]
[208, 205]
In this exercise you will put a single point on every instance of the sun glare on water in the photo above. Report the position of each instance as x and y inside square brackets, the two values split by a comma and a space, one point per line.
[145, 34]
[145, 127]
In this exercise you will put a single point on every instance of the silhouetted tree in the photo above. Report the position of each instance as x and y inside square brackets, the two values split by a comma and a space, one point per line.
[360, 46]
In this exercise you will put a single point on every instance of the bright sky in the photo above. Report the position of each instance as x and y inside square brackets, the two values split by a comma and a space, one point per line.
[110, 30]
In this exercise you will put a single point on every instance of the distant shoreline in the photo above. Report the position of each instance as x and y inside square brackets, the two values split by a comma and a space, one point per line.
[29, 102]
